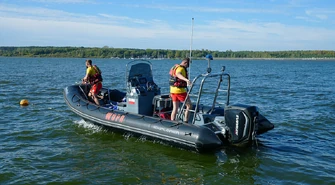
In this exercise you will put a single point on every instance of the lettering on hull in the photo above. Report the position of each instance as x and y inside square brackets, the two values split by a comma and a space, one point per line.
[166, 130]
[110, 116]
[237, 124]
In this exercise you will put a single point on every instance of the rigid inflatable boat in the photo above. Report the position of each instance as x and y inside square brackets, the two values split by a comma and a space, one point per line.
[143, 111]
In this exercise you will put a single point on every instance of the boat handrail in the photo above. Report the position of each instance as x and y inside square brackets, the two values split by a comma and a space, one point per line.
[203, 78]
[82, 90]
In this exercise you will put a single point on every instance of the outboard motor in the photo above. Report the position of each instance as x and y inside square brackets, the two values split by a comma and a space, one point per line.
[240, 120]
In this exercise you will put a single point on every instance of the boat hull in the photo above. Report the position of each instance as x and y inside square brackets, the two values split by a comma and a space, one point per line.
[187, 136]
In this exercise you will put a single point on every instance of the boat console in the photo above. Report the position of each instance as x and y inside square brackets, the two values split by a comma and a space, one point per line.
[141, 88]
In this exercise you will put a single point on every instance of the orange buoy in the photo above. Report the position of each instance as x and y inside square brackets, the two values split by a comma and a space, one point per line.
[24, 102]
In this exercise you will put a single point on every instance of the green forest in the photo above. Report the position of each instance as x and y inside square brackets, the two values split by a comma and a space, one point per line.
[106, 52]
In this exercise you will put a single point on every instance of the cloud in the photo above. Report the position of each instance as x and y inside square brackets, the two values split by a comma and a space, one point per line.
[123, 19]
[203, 9]
[43, 26]
[28, 31]
[64, 1]
[259, 30]
[36, 13]
[320, 14]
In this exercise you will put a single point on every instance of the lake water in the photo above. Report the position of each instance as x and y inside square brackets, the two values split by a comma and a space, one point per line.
[45, 143]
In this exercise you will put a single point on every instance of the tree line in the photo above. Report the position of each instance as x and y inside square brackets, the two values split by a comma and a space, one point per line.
[107, 52]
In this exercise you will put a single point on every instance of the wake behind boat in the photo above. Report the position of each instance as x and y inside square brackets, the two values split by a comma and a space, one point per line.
[143, 111]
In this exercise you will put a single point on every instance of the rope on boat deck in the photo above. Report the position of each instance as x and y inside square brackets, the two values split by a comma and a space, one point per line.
[177, 124]
[140, 117]
[73, 100]
[77, 100]
[97, 107]
[159, 120]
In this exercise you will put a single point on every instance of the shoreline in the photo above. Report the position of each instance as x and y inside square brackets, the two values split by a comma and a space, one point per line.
[274, 58]
[196, 58]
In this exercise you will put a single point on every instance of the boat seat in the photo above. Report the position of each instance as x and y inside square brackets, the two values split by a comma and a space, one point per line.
[111, 95]
[103, 93]
[207, 109]
[162, 101]
[162, 106]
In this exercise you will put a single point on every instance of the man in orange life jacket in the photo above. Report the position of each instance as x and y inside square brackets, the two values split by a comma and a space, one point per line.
[178, 83]
[93, 76]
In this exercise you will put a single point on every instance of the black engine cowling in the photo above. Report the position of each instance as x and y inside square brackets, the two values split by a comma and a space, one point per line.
[240, 119]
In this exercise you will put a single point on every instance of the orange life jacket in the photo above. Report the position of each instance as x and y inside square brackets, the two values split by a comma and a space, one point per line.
[174, 80]
[97, 76]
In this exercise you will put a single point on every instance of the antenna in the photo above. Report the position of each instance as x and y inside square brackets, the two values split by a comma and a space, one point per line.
[189, 74]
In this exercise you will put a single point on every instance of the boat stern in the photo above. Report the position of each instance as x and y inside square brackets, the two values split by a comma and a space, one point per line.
[241, 122]
[208, 140]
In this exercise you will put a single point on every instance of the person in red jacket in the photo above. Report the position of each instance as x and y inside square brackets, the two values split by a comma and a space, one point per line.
[93, 76]
[178, 84]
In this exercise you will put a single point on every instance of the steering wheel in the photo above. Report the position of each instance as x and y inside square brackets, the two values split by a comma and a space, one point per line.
[151, 85]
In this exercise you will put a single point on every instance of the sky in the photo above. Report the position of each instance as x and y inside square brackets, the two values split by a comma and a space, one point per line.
[219, 25]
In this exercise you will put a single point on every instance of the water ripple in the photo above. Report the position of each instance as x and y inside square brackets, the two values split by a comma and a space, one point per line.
[45, 143]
